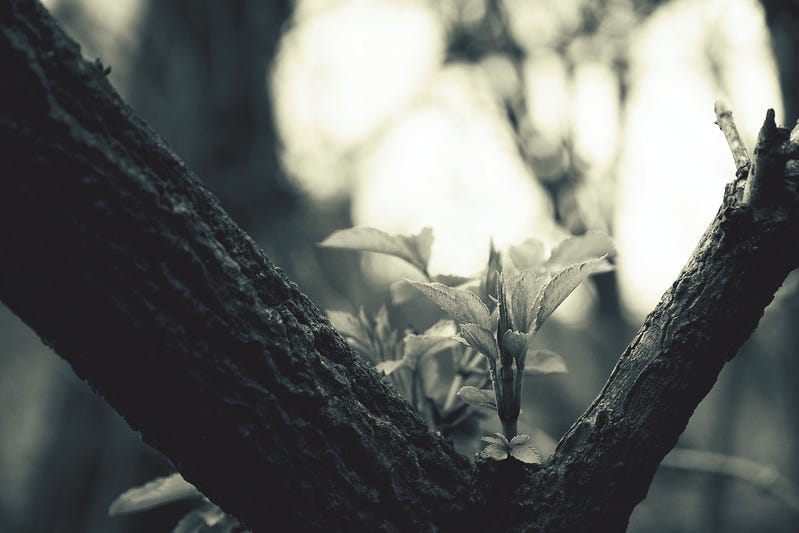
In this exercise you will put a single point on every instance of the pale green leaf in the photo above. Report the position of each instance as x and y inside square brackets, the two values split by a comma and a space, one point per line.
[382, 326]
[522, 449]
[413, 249]
[464, 306]
[213, 515]
[434, 384]
[436, 338]
[497, 447]
[488, 285]
[423, 244]
[517, 345]
[157, 492]
[544, 362]
[442, 328]
[496, 438]
[580, 248]
[354, 330]
[481, 340]
[529, 255]
[202, 518]
[192, 522]
[496, 452]
[564, 282]
[208, 515]
[418, 346]
[522, 294]
[388, 367]
[346, 323]
[228, 524]
[478, 397]
[453, 280]
[519, 440]
[401, 291]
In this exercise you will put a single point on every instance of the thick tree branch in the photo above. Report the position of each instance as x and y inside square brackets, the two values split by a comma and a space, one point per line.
[116, 255]
[123, 263]
[605, 463]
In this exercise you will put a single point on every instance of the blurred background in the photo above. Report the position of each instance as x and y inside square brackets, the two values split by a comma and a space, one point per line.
[502, 119]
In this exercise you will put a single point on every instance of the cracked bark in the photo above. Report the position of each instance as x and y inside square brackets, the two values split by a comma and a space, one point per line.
[128, 268]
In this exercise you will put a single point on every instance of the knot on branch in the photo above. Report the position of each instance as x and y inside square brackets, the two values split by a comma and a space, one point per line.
[765, 183]
[771, 177]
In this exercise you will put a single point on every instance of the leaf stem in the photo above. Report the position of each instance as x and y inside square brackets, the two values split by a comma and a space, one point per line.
[518, 379]
[509, 428]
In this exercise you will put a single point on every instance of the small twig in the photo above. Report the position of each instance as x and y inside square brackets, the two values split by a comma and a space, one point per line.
[762, 476]
[727, 125]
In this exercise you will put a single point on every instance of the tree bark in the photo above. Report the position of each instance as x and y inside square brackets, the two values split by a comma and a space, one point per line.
[129, 269]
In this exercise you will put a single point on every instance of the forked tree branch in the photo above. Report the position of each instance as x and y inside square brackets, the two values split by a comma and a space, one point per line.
[128, 268]
[111, 249]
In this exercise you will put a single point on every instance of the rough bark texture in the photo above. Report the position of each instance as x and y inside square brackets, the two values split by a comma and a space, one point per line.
[123, 263]
[116, 255]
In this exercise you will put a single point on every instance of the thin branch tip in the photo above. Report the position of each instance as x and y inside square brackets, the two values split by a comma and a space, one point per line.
[727, 126]
[721, 109]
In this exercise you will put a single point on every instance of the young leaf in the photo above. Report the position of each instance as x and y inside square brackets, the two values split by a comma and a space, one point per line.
[522, 292]
[436, 338]
[401, 291]
[517, 344]
[580, 248]
[453, 280]
[382, 327]
[346, 323]
[488, 285]
[464, 306]
[496, 438]
[497, 452]
[544, 363]
[352, 328]
[529, 255]
[192, 522]
[478, 397]
[390, 366]
[564, 282]
[435, 385]
[209, 515]
[481, 340]
[522, 449]
[442, 328]
[423, 244]
[497, 447]
[413, 249]
[228, 524]
[157, 492]
[417, 346]
[213, 515]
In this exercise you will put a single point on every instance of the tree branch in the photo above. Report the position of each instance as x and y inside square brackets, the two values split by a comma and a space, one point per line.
[128, 268]
[727, 125]
[605, 463]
